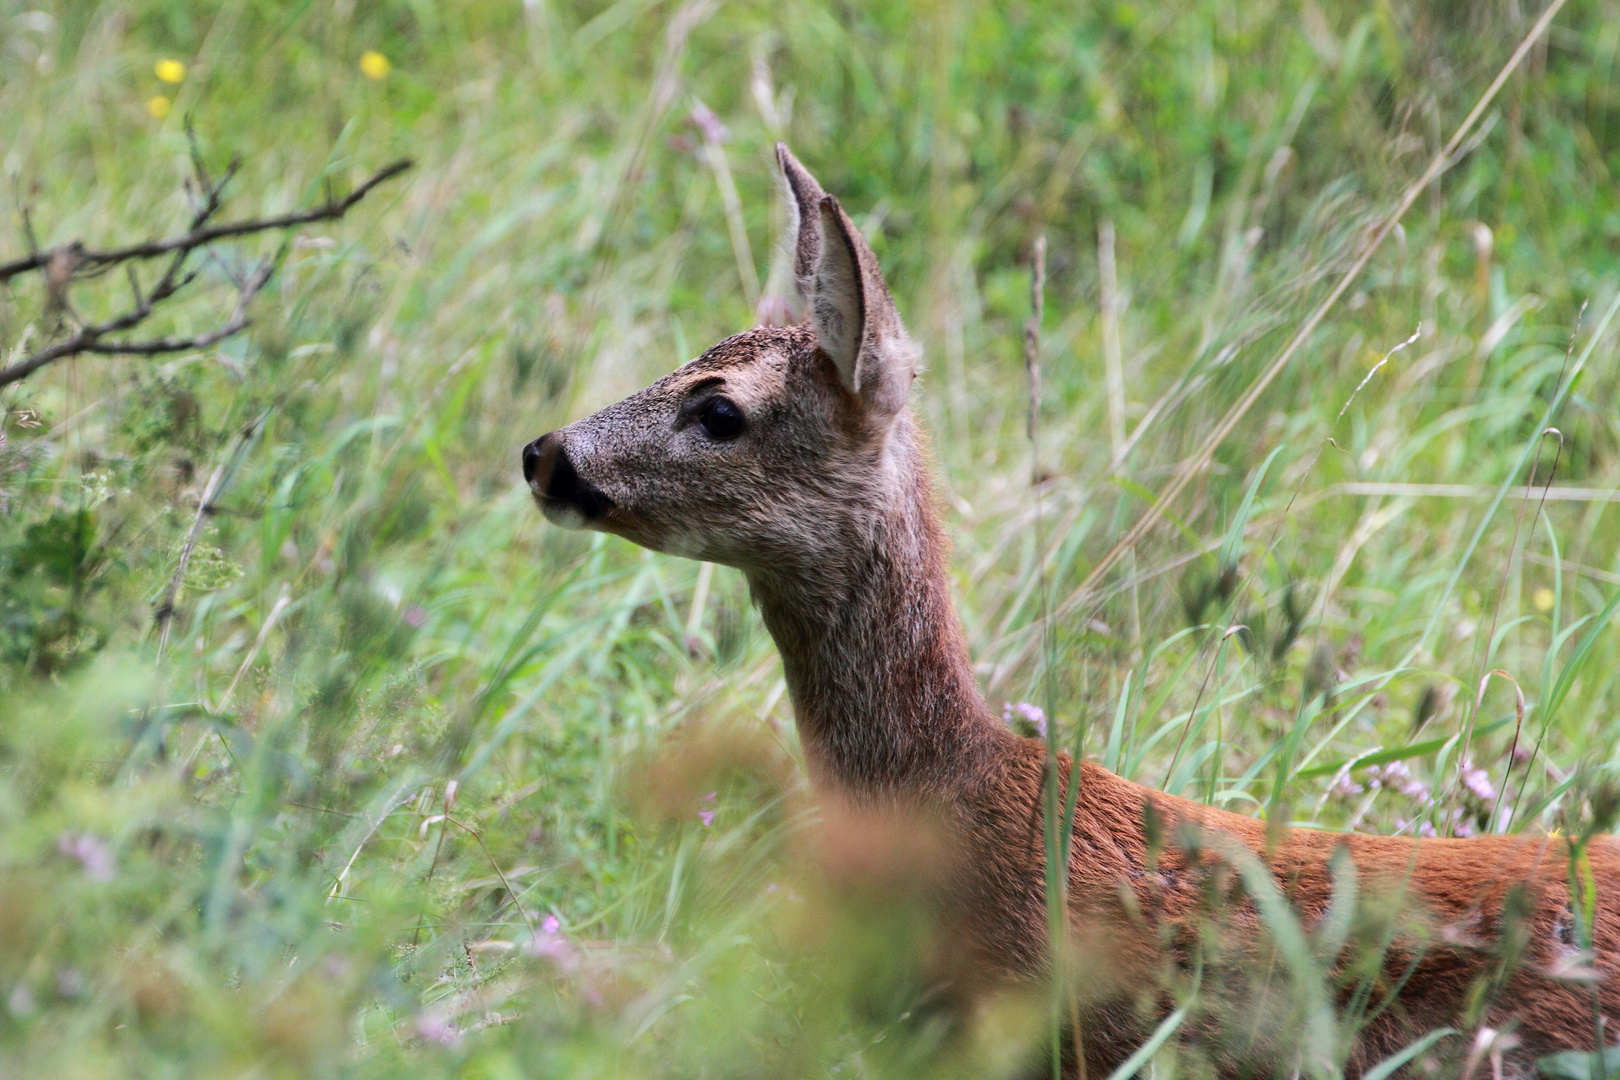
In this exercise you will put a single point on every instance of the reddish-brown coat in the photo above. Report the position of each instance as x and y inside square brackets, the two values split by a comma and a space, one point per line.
[826, 505]
[945, 751]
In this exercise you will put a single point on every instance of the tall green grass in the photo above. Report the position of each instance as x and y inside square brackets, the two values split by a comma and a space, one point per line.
[247, 859]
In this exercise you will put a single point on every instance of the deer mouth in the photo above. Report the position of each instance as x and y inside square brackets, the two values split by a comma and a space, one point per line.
[565, 497]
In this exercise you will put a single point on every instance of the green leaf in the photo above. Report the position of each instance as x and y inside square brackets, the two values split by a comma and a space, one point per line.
[1385, 1068]
[1116, 732]
[1578, 1064]
[1395, 753]
[1234, 535]
[1577, 659]
[60, 546]
[1145, 1052]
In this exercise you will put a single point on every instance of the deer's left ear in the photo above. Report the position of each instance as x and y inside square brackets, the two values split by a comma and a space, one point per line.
[854, 317]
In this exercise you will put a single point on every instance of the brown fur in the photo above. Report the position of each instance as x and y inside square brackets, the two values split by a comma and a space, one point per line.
[825, 502]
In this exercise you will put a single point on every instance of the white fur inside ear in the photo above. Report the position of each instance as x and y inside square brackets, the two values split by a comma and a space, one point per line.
[795, 220]
[838, 307]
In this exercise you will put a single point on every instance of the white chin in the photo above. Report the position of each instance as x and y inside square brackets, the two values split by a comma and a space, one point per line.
[560, 513]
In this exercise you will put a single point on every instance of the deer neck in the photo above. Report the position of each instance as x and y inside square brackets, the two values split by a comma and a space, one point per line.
[875, 659]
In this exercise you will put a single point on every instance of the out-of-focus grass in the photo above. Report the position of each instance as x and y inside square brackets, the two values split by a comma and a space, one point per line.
[236, 861]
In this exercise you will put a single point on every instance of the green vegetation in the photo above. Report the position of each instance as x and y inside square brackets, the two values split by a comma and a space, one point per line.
[229, 856]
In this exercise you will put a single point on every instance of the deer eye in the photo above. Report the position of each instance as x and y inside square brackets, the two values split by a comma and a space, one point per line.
[721, 418]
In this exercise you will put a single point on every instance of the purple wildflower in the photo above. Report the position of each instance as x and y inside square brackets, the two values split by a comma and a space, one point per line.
[705, 121]
[435, 1028]
[415, 616]
[547, 944]
[1033, 715]
[1397, 777]
[93, 854]
[1346, 786]
[1477, 781]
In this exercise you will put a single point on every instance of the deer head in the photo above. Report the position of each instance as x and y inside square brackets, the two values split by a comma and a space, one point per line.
[777, 448]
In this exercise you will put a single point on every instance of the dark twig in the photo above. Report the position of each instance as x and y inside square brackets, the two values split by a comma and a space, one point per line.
[165, 611]
[238, 320]
[134, 284]
[28, 231]
[66, 262]
[88, 339]
[197, 237]
[217, 482]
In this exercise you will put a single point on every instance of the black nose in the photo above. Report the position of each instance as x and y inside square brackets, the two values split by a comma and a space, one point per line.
[552, 476]
[531, 457]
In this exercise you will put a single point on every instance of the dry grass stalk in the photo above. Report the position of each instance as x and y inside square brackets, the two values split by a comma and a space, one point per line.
[1196, 464]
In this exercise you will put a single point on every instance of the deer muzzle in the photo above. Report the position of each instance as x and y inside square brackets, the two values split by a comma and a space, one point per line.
[565, 497]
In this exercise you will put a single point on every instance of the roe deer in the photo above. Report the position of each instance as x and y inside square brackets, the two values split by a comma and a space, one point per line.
[790, 454]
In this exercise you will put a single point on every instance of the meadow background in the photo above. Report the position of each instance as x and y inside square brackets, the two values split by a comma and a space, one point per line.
[231, 858]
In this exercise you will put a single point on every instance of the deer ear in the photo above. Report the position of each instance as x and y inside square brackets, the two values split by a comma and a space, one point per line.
[850, 307]
[804, 209]
[854, 317]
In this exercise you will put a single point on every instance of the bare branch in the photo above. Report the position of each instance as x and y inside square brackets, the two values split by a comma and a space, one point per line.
[198, 236]
[236, 324]
[89, 338]
[64, 263]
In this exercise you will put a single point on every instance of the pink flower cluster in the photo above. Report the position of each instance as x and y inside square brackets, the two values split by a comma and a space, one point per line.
[569, 961]
[1394, 776]
[704, 119]
[434, 1027]
[1477, 781]
[1033, 715]
[548, 943]
[93, 854]
[707, 815]
[1397, 777]
[1478, 790]
[1462, 825]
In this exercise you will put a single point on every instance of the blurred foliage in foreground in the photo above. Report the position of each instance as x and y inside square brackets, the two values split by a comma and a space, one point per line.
[245, 856]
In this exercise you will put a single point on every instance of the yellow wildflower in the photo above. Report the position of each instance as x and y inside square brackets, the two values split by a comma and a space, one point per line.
[373, 64]
[158, 106]
[1543, 599]
[170, 71]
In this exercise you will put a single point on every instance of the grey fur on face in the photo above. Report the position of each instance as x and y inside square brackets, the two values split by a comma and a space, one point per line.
[822, 449]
